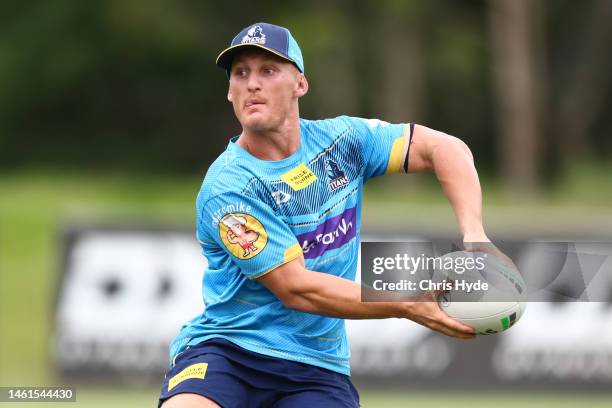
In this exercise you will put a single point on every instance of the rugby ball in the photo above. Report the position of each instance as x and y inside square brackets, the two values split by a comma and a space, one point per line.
[491, 297]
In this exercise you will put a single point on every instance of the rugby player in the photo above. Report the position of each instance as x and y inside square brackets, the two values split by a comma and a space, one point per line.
[278, 218]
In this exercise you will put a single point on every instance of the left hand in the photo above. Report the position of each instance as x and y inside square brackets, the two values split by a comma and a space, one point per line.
[479, 242]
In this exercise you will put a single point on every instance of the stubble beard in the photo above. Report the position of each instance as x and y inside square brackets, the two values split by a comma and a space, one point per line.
[262, 124]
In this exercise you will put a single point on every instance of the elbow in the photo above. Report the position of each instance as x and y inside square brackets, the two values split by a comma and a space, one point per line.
[294, 301]
[463, 147]
[451, 146]
[297, 297]
[288, 299]
[291, 295]
[446, 146]
[292, 285]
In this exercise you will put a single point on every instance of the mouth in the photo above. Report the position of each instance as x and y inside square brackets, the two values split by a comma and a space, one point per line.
[253, 102]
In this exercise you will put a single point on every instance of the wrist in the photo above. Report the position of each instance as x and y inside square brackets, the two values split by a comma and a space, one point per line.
[406, 310]
[475, 234]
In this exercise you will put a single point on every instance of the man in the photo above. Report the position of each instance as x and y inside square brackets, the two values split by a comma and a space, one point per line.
[272, 334]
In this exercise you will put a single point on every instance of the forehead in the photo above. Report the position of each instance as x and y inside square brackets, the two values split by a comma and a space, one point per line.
[257, 55]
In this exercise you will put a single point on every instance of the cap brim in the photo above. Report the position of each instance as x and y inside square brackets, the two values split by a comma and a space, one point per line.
[224, 60]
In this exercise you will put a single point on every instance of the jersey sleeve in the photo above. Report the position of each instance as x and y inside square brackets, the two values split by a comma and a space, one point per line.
[248, 231]
[385, 146]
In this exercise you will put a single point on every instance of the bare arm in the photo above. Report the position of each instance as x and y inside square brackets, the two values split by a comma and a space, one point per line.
[321, 293]
[453, 164]
[231, 237]
[329, 295]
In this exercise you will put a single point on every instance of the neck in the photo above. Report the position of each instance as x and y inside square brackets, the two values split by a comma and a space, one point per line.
[272, 144]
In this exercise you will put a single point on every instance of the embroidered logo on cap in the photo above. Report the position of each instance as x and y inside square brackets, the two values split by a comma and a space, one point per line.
[254, 35]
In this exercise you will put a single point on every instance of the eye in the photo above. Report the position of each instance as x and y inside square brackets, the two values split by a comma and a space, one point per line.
[240, 72]
[269, 70]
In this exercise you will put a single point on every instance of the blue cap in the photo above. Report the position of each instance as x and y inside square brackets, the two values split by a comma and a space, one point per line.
[272, 38]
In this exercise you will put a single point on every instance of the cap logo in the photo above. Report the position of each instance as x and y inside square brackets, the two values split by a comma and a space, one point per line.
[254, 35]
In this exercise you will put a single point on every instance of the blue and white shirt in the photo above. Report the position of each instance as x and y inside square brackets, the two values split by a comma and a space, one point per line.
[254, 215]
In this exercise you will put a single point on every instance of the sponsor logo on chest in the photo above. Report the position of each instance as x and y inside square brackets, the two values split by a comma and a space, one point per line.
[332, 234]
[299, 177]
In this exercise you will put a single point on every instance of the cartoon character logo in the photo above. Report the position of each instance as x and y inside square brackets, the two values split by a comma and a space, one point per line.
[239, 234]
[243, 235]
[254, 35]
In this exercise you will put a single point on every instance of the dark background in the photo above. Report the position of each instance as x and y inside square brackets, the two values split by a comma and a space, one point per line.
[133, 85]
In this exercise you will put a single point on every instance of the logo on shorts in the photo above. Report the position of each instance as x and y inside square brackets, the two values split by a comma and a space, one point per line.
[335, 175]
[193, 371]
[243, 235]
[254, 35]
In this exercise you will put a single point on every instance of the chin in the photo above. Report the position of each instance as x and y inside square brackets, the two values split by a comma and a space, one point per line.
[258, 123]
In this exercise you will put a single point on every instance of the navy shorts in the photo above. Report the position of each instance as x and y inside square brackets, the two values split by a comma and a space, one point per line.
[234, 377]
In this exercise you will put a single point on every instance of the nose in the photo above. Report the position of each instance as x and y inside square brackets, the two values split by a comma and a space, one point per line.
[253, 83]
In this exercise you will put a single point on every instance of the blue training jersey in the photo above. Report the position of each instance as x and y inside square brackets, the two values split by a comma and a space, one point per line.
[254, 215]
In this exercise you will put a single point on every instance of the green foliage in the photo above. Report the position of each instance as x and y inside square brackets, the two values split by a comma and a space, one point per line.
[133, 85]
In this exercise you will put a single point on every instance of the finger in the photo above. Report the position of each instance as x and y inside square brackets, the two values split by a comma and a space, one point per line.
[456, 325]
[431, 296]
[462, 336]
[489, 248]
[447, 331]
[445, 326]
[445, 320]
[459, 333]
[437, 292]
[440, 322]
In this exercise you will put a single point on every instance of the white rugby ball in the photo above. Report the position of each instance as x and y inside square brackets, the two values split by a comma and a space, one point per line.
[488, 311]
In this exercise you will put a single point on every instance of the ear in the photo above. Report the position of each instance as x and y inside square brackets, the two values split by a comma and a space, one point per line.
[229, 95]
[301, 87]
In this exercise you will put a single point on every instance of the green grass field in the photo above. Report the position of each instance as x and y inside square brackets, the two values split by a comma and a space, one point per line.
[36, 206]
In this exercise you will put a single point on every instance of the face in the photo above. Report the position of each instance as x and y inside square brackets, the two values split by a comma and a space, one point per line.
[238, 229]
[264, 89]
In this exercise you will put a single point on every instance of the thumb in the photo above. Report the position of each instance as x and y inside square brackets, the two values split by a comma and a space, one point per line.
[444, 289]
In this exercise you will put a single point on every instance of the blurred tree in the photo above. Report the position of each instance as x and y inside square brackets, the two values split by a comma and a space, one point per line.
[133, 85]
[399, 62]
[583, 96]
[103, 83]
[515, 27]
[325, 33]
[459, 93]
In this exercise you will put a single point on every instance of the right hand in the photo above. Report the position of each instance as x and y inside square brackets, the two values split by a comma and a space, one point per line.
[427, 312]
